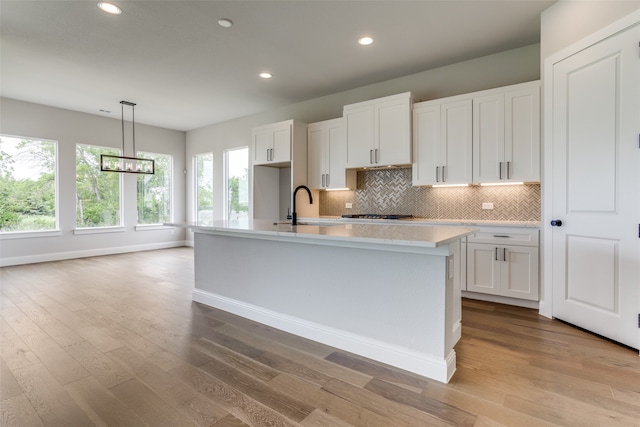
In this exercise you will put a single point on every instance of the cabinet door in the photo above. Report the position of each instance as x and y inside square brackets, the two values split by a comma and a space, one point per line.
[336, 156]
[522, 135]
[456, 142]
[392, 135]
[262, 144]
[358, 123]
[281, 145]
[488, 138]
[426, 144]
[519, 275]
[483, 269]
[316, 156]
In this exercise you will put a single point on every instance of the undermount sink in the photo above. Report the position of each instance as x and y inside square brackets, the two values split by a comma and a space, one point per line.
[311, 223]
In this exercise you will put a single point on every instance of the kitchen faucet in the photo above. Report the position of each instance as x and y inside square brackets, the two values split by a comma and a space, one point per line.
[294, 215]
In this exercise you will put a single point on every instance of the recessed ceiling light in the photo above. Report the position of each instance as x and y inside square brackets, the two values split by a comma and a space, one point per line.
[224, 22]
[109, 8]
[265, 75]
[365, 41]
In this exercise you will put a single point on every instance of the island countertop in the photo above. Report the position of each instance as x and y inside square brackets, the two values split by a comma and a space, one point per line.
[407, 234]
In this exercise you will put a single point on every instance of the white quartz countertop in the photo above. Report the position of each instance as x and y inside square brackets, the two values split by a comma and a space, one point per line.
[407, 234]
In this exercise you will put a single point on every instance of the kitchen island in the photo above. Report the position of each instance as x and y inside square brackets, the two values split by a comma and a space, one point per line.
[387, 292]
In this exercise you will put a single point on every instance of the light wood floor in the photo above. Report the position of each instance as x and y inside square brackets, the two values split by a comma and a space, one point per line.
[116, 341]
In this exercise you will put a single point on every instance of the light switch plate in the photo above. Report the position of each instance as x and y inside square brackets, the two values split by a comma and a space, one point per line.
[487, 206]
[348, 205]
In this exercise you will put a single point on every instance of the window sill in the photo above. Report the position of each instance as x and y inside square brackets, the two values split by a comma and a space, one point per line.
[147, 227]
[99, 230]
[29, 234]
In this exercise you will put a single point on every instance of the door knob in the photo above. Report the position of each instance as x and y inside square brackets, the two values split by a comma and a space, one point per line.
[556, 223]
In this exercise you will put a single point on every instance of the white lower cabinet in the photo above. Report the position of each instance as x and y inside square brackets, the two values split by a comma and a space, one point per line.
[503, 262]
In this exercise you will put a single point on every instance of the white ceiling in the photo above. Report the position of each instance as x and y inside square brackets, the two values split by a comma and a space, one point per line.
[184, 71]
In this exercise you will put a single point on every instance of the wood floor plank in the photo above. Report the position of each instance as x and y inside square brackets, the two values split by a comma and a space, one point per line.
[64, 367]
[333, 405]
[441, 410]
[49, 399]
[16, 411]
[102, 368]
[314, 362]
[238, 404]
[101, 405]
[150, 407]
[9, 387]
[379, 404]
[291, 408]
[200, 409]
[319, 418]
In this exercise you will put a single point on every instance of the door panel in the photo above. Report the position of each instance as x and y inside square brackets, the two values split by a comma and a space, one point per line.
[592, 273]
[596, 188]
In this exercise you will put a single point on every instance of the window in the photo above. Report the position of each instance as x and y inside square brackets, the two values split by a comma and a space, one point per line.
[154, 191]
[98, 201]
[236, 183]
[204, 188]
[28, 185]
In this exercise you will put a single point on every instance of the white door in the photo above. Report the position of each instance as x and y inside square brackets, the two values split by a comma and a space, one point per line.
[316, 156]
[457, 142]
[596, 188]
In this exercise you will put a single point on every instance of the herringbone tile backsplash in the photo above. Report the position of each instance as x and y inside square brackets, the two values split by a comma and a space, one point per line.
[389, 191]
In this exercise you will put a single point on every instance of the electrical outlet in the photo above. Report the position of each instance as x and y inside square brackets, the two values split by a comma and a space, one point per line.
[348, 205]
[487, 205]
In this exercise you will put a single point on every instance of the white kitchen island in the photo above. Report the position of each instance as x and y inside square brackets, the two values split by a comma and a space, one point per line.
[387, 292]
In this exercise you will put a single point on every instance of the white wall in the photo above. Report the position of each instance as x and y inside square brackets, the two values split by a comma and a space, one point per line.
[567, 22]
[69, 128]
[505, 68]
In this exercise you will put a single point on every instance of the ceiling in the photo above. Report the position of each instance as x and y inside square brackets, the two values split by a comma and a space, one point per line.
[184, 71]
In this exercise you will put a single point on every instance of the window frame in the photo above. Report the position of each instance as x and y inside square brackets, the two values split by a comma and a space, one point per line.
[157, 225]
[21, 234]
[225, 201]
[120, 227]
[196, 186]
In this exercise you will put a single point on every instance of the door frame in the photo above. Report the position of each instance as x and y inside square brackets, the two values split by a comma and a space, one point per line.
[546, 297]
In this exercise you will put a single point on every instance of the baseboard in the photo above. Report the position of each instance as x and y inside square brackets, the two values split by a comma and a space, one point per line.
[422, 364]
[60, 256]
[501, 300]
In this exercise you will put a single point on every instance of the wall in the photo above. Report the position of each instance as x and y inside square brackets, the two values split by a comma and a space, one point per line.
[389, 191]
[505, 68]
[567, 22]
[68, 128]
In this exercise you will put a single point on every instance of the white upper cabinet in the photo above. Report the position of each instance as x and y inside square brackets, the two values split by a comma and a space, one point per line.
[442, 142]
[272, 143]
[378, 132]
[506, 134]
[327, 160]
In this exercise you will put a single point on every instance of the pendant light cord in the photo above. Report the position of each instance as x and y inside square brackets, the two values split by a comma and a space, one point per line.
[133, 124]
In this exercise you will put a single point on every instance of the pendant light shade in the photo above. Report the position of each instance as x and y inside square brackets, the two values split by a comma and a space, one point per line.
[109, 163]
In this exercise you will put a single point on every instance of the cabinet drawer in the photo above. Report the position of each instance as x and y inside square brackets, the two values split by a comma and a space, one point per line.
[505, 236]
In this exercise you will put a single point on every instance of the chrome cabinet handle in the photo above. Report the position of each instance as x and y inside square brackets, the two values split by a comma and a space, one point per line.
[327, 180]
[504, 254]
[508, 170]
[500, 170]
[496, 254]
[376, 157]
[444, 179]
[322, 180]
[370, 157]
[437, 173]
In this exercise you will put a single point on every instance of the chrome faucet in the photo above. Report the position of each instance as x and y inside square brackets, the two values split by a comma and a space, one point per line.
[294, 215]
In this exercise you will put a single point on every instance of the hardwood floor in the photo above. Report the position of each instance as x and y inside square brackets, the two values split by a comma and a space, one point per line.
[117, 341]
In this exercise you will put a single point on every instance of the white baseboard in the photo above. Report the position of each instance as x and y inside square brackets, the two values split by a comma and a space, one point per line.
[422, 364]
[500, 299]
[59, 256]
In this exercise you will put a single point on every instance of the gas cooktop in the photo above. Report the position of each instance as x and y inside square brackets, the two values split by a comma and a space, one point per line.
[376, 216]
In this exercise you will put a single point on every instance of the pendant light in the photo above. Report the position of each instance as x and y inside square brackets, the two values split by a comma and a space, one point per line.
[124, 164]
